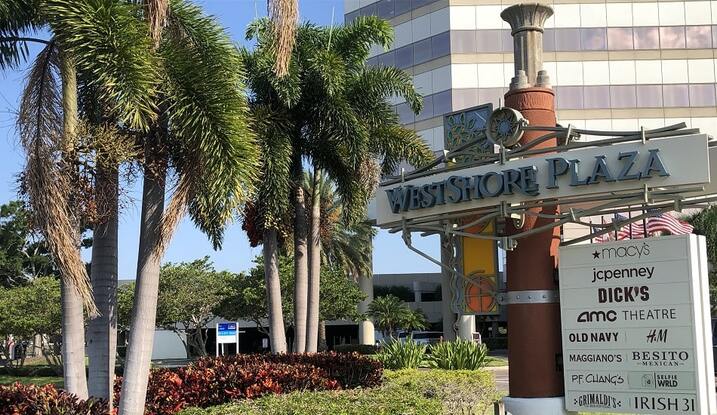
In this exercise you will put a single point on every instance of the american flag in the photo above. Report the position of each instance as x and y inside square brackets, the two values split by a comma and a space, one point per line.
[635, 230]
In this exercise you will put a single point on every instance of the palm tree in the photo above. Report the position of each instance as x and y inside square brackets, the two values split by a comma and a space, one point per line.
[202, 132]
[705, 223]
[390, 314]
[337, 116]
[96, 40]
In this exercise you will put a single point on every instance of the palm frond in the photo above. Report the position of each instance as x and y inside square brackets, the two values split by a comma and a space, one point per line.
[354, 40]
[16, 17]
[382, 82]
[395, 144]
[45, 182]
[217, 153]
[112, 45]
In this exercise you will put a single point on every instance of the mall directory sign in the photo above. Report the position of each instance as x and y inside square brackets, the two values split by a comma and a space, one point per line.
[636, 327]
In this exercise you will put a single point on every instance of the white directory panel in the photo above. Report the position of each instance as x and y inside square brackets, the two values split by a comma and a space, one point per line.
[636, 327]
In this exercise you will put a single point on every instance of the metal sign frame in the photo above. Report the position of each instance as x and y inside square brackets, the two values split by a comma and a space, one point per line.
[571, 210]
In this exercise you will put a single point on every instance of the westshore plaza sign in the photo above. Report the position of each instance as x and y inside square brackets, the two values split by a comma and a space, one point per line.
[636, 327]
[667, 162]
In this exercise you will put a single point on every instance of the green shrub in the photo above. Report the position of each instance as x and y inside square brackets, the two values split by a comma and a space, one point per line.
[458, 355]
[401, 355]
[409, 392]
[464, 392]
[364, 349]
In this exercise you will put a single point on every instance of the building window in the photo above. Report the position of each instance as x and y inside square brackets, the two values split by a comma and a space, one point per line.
[422, 51]
[386, 9]
[405, 114]
[491, 95]
[699, 37]
[427, 110]
[647, 38]
[623, 96]
[567, 40]
[507, 41]
[593, 38]
[350, 17]
[702, 95]
[596, 97]
[442, 103]
[675, 95]
[370, 10]
[387, 59]
[404, 57]
[569, 97]
[489, 40]
[649, 96]
[441, 45]
[619, 38]
[464, 98]
[549, 40]
[672, 37]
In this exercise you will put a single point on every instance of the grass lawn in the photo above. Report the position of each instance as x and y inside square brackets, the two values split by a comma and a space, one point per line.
[35, 380]
[493, 361]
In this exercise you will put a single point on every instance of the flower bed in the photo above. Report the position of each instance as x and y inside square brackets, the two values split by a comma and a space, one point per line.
[19, 399]
[213, 381]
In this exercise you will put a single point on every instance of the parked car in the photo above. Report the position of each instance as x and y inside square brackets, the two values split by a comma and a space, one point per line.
[422, 337]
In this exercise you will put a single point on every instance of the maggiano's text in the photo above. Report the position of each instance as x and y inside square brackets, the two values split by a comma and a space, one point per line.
[458, 189]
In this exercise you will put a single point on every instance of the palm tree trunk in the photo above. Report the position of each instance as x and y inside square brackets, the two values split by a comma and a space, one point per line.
[102, 330]
[73, 322]
[312, 318]
[144, 313]
[322, 336]
[73, 342]
[273, 292]
[301, 276]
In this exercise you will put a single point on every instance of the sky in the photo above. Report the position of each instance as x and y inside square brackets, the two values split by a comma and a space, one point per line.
[390, 254]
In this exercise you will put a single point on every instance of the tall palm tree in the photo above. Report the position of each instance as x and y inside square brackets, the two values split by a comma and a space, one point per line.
[202, 133]
[94, 40]
[337, 116]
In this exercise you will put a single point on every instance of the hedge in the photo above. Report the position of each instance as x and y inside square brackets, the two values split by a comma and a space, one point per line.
[410, 392]
[366, 349]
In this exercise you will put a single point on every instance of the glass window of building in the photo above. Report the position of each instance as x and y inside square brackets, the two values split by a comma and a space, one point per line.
[699, 37]
[596, 97]
[702, 95]
[675, 95]
[440, 45]
[649, 96]
[647, 38]
[593, 38]
[567, 40]
[623, 96]
[672, 37]
[569, 97]
[619, 38]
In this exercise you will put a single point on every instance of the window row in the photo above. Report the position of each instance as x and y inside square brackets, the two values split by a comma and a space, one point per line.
[387, 9]
[594, 38]
[571, 98]
[635, 96]
[416, 53]
[554, 40]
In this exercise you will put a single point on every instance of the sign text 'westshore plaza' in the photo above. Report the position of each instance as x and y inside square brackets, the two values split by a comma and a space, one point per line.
[576, 173]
